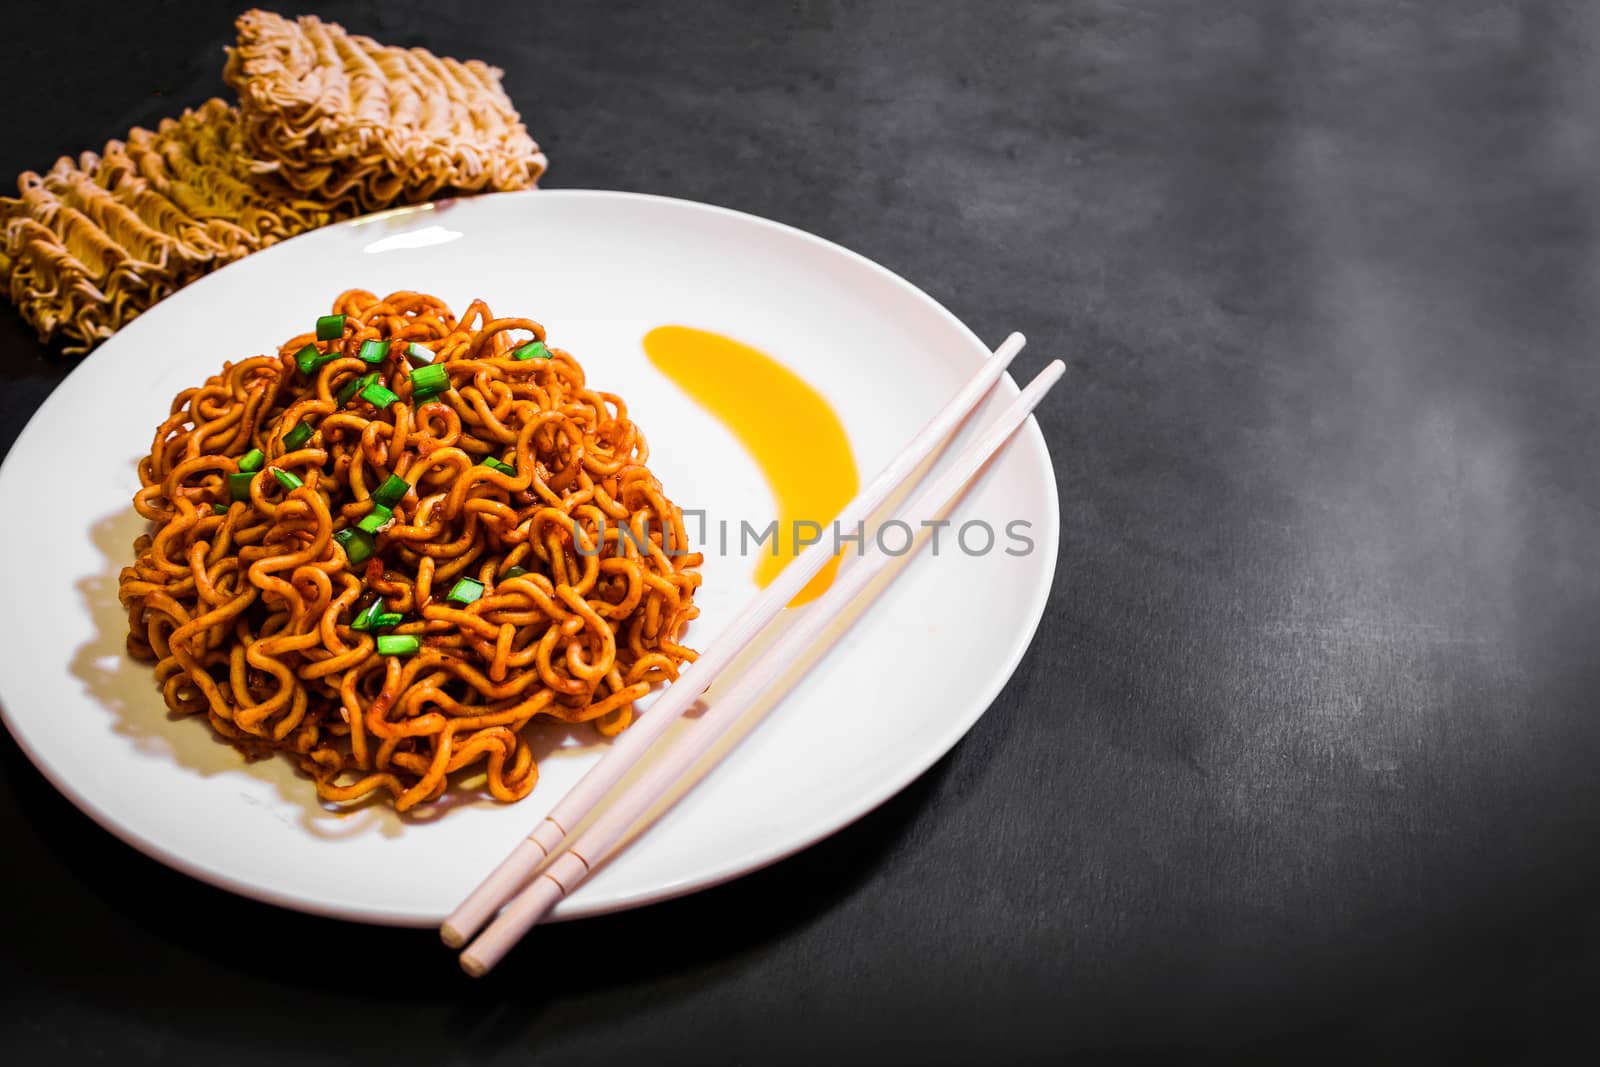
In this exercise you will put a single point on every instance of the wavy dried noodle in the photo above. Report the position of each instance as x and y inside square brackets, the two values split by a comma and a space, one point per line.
[345, 119]
[330, 126]
[247, 614]
[93, 242]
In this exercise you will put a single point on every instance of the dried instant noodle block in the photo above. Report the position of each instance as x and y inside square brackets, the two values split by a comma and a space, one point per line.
[342, 118]
[329, 126]
[94, 241]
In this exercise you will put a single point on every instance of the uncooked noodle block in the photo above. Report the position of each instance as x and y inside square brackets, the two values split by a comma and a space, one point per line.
[329, 126]
[94, 241]
[343, 118]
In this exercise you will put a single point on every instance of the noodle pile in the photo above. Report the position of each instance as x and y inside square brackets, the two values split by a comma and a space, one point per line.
[249, 608]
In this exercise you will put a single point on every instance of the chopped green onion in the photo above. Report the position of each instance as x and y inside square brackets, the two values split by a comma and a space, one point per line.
[288, 479]
[239, 485]
[330, 327]
[392, 491]
[419, 354]
[309, 359]
[365, 620]
[373, 351]
[497, 465]
[513, 572]
[351, 388]
[466, 591]
[429, 381]
[297, 436]
[357, 544]
[251, 461]
[398, 645]
[378, 396]
[219, 509]
[375, 618]
[372, 520]
[532, 350]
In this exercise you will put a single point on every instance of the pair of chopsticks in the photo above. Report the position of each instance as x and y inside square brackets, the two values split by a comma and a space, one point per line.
[518, 889]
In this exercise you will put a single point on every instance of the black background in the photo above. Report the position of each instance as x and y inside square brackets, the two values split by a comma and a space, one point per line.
[1302, 761]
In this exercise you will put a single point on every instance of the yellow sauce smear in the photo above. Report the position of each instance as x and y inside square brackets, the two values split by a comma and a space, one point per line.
[785, 425]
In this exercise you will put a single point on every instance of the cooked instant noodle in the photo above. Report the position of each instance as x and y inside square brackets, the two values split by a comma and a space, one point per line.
[384, 552]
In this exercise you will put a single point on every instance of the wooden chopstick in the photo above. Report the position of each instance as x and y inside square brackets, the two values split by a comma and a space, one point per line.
[518, 867]
[573, 866]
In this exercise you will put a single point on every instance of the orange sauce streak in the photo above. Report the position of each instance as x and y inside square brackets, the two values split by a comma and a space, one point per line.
[787, 427]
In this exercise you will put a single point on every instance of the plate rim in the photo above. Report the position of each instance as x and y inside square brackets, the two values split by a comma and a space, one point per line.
[816, 829]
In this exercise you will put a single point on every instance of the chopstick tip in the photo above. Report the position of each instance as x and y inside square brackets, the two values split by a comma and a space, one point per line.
[1009, 348]
[452, 937]
[474, 967]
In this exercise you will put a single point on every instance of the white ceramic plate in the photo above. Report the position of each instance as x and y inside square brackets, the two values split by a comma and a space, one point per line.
[599, 270]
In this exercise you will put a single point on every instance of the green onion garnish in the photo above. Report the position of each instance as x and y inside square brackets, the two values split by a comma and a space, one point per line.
[398, 645]
[351, 388]
[532, 350]
[357, 544]
[251, 461]
[419, 354]
[466, 591]
[288, 479]
[497, 465]
[377, 517]
[310, 360]
[219, 509]
[392, 491]
[330, 327]
[513, 572]
[364, 621]
[375, 618]
[429, 381]
[373, 351]
[239, 486]
[297, 436]
[378, 396]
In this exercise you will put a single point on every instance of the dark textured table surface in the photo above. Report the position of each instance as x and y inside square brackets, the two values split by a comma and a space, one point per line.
[1302, 762]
